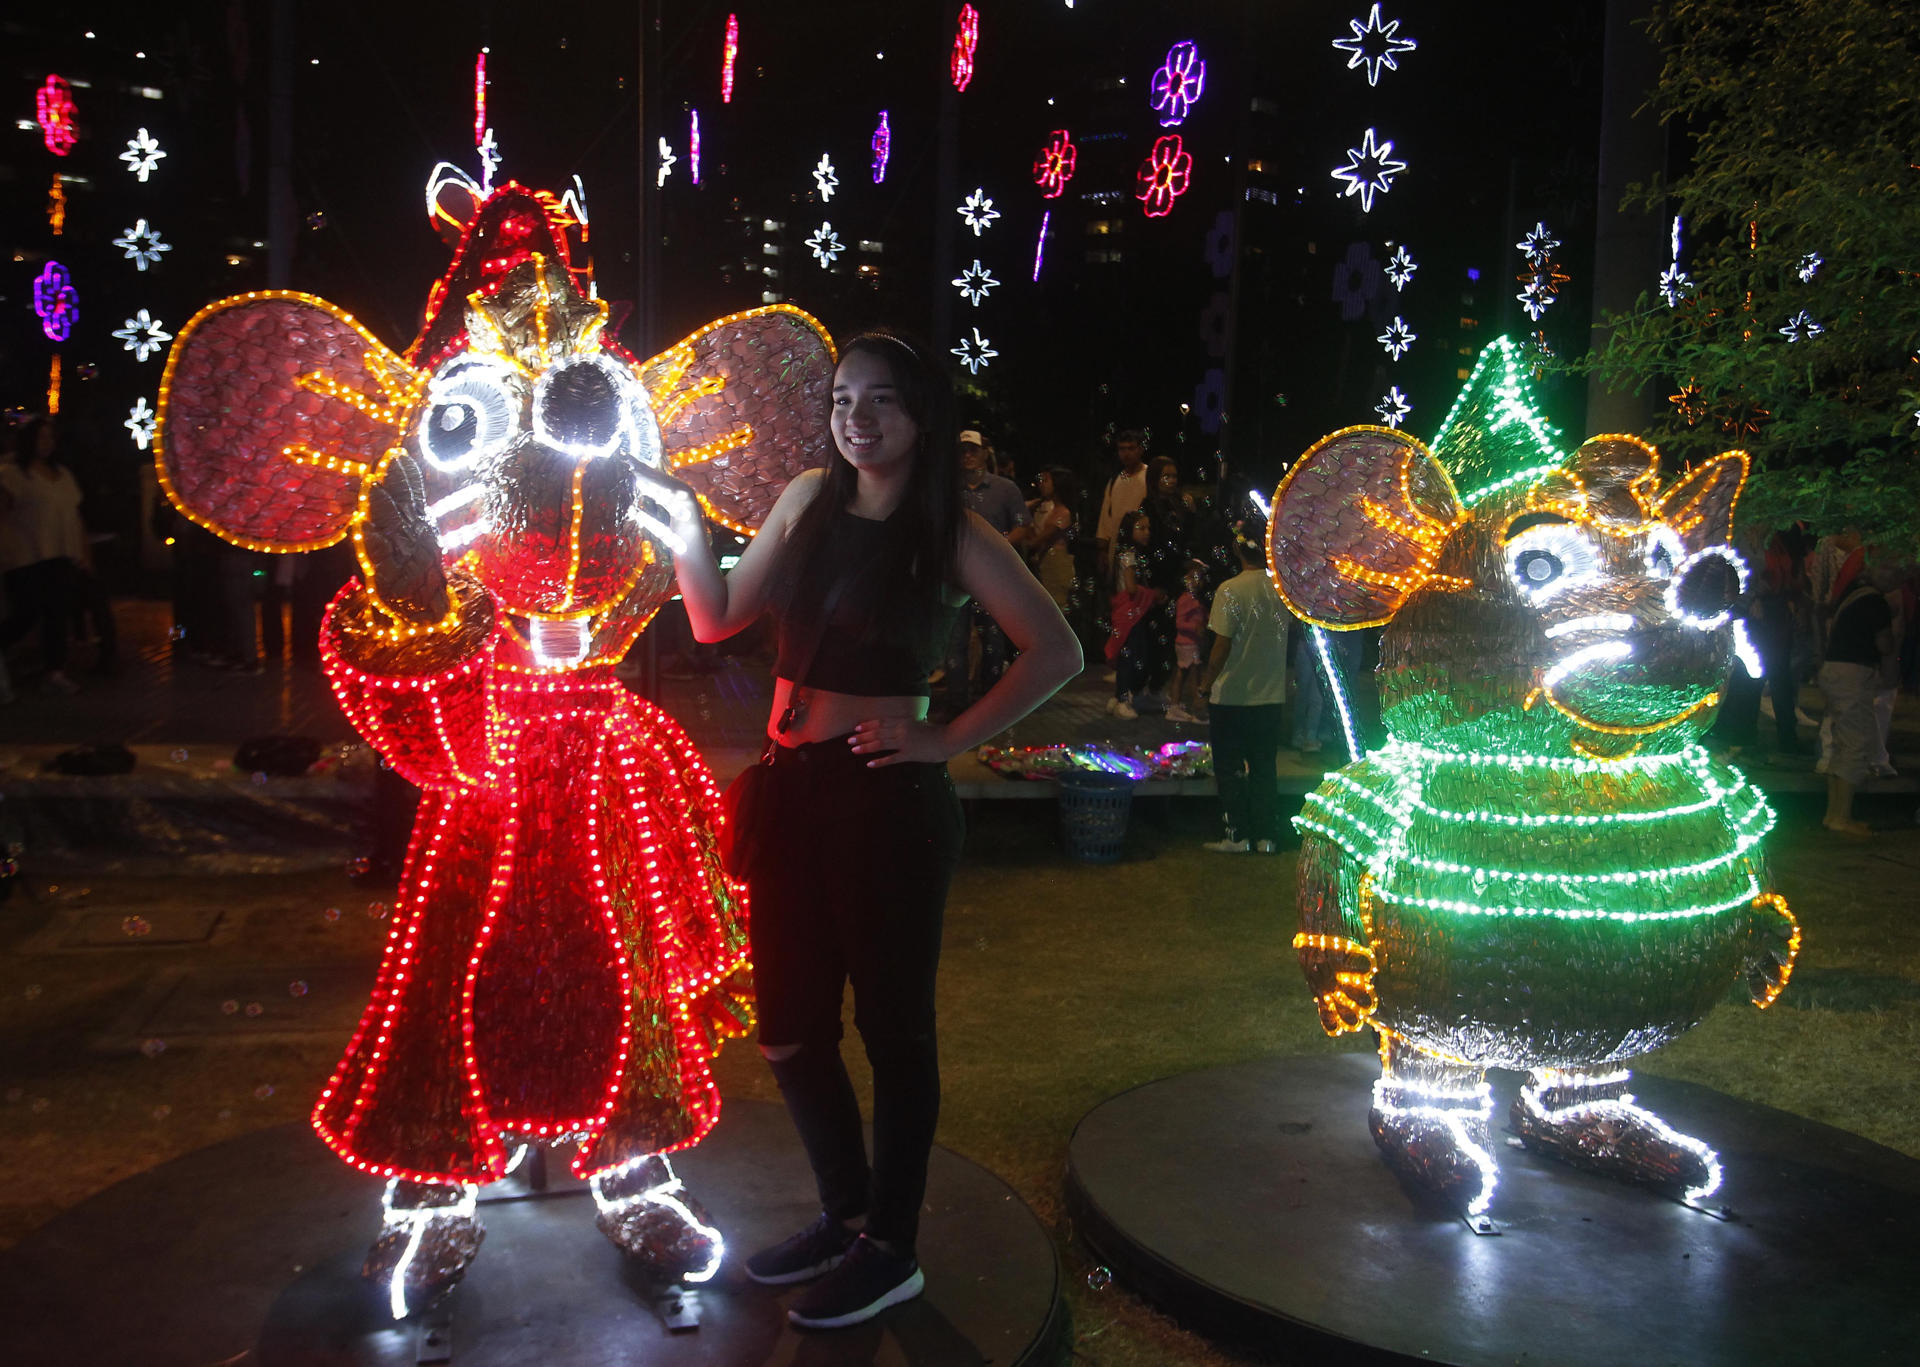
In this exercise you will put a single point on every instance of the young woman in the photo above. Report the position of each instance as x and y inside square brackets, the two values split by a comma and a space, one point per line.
[1056, 526]
[855, 829]
[42, 548]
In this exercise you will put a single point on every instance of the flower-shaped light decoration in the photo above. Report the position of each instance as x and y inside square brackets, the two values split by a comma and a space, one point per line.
[1808, 264]
[1675, 285]
[826, 244]
[1393, 409]
[667, 162]
[974, 353]
[1053, 168]
[1400, 268]
[1375, 43]
[974, 282]
[142, 155]
[1178, 83]
[1356, 282]
[143, 335]
[1801, 328]
[140, 423]
[1538, 245]
[978, 211]
[55, 301]
[142, 244]
[1163, 177]
[882, 148]
[53, 103]
[825, 178]
[966, 38]
[1397, 338]
[1370, 170]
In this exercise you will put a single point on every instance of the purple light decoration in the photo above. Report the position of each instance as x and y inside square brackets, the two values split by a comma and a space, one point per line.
[882, 148]
[1040, 246]
[55, 301]
[1473, 272]
[693, 147]
[1178, 83]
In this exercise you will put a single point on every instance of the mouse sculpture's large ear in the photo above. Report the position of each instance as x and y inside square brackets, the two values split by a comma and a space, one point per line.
[1358, 525]
[743, 406]
[275, 406]
[1700, 506]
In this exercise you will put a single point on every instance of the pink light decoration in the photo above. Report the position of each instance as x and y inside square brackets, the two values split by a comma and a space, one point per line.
[480, 97]
[1178, 83]
[693, 147]
[966, 39]
[729, 51]
[53, 102]
[1053, 168]
[1040, 246]
[882, 148]
[1163, 177]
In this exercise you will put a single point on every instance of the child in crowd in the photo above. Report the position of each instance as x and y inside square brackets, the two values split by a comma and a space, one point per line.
[1189, 630]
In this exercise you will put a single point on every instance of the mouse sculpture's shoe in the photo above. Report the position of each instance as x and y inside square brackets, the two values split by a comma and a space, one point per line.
[648, 1212]
[1592, 1121]
[430, 1232]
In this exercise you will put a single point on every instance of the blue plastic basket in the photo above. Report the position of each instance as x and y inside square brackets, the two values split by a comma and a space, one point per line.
[1094, 811]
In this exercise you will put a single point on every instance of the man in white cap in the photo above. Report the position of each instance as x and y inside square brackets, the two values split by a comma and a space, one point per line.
[999, 502]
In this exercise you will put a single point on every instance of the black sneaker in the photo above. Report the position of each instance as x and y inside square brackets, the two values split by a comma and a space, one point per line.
[814, 1250]
[868, 1280]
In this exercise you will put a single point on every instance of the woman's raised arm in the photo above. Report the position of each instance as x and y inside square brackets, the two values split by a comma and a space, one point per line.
[719, 605]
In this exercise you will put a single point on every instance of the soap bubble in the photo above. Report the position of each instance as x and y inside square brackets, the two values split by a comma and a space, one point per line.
[153, 1048]
[296, 989]
[254, 1008]
[180, 756]
[1099, 1279]
[136, 926]
[162, 1112]
[263, 1091]
[229, 1006]
[331, 913]
[378, 910]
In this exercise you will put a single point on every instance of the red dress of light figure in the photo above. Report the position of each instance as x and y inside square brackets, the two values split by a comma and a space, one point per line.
[567, 951]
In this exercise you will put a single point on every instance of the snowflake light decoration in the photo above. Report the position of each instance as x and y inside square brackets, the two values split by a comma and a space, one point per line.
[667, 162]
[1370, 170]
[142, 244]
[1675, 285]
[1393, 409]
[1375, 43]
[974, 282]
[1400, 268]
[142, 155]
[825, 178]
[974, 352]
[143, 335]
[54, 111]
[826, 244]
[140, 421]
[978, 211]
[1164, 176]
[1053, 168]
[1809, 263]
[1539, 244]
[1801, 328]
[56, 301]
[1178, 83]
[1397, 338]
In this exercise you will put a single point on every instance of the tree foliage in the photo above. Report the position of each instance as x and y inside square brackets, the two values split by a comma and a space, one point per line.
[1802, 119]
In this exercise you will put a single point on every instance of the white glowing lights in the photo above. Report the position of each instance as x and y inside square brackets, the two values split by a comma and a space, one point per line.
[974, 352]
[667, 1195]
[1393, 409]
[416, 1223]
[1375, 44]
[1535, 298]
[1712, 621]
[1603, 621]
[142, 335]
[1547, 559]
[489, 161]
[142, 155]
[1801, 328]
[471, 413]
[1397, 338]
[1538, 245]
[619, 381]
[142, 244]
[1370, 170]
[1040, 244]
[667, 162]
[1675, 285]
[1338, 687]
[825, 244]
[140, 421]
[1459, 1110]
[975, 281]
[1581, 658]
[1807, 265]
[1532, 1096]
[978, 211]
[559, 643]
[1400, 268]
[825, 179]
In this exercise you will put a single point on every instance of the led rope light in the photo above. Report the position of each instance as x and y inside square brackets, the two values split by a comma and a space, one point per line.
[666, 1194]
[1338, 687]
[1040, 244]
[1455, 1118]
[1531, 1096]
[1725, 615]
[1605, 621]
[729, 52]
[415, 1222]
[1586, 655]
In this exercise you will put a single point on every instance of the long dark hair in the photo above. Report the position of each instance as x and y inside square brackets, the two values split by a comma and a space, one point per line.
[923, 551]
[1066, 489]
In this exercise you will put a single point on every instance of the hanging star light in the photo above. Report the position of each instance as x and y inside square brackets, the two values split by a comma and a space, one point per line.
[1400, 268]
[143, 335]
[825, 178]
[1370, 170]
[1393, 409]
[974, 282]
[1689, 402]
[978, 211]
[667, 162]
[1538, 244]
[1535, 298]
[825, 243]
[1801, 328]
[1809, 263]
[1397, 338]
[1675, 285]
[142, 244]
[140, 420]
[1375, 43]
[142, 155]
[974, 353]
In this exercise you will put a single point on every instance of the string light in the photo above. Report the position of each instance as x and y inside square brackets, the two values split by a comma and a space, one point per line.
[1040, 246]
[53, 385]
[1394, 408]
[1807, 265]
[140, 423]
[1370, 170]
[975, 352]
[825, 179]
[479, 97]
[1400, 268]
[729, 52]
[1374, 44]
[693, 146]
[1396, 339]
[54, 110]
[667, 162]
[825, 244]
[966, 40]
[57, 205]
[1801, 328]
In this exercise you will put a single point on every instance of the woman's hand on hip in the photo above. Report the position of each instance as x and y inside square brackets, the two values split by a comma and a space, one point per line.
[910, 741]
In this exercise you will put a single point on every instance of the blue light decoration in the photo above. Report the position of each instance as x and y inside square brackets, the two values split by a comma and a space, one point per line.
[882, 148]
[1178, 83]
[55, 301]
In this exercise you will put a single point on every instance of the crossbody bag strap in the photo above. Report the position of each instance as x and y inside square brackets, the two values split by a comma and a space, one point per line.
[834, 594]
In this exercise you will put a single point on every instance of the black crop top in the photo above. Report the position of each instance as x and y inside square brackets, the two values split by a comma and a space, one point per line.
[856, 655]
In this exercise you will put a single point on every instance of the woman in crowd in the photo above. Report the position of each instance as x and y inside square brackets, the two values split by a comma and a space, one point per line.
[1056, 533]
[42, 547]
[848, 831]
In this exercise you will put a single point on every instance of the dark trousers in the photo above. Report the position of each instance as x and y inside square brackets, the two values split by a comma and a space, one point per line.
[1739, 720]
[847, 870]
[41, 593]
[1246, 746]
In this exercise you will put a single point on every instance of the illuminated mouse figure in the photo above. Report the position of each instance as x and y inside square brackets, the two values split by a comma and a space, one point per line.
[567, 952]
[1540, 869]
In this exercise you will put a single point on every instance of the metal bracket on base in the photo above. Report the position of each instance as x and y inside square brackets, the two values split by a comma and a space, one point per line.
[678, 1308]
[435, 1343]
[1722, 1213]
[1482, 1224]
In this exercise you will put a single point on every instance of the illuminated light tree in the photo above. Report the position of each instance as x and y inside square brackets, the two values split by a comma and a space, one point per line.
[1053, 168]
[1164, 176]
[966, 39]
[1540, 868]
[54, 111]
[55, 301]
[729, 53]
[882, 147]
[143, 155]
[1370, 170]
[142, 244]
[1374, 44]
[568, 832]
[1178, 84]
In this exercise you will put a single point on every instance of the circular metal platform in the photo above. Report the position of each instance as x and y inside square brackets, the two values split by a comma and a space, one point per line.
[1250, 1202]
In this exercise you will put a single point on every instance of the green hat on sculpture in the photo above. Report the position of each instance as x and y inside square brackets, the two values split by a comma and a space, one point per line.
[1495, 435]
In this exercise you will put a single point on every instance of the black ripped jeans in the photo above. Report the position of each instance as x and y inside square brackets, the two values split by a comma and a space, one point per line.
[847, 870]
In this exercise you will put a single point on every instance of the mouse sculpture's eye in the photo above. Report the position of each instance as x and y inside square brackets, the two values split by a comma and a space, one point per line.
[471, 414]
[1548, 558]
[581, 406]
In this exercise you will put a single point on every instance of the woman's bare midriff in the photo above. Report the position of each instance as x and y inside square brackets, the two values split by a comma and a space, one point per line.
[823, 715]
